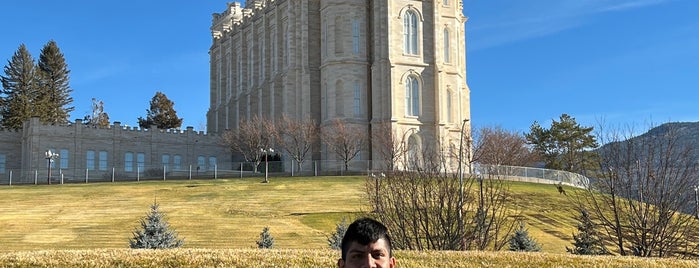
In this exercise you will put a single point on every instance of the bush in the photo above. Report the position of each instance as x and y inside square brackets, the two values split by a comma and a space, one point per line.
[587, 241]
[266, 239]
[520, 241]
[156, 233]
[335, 239]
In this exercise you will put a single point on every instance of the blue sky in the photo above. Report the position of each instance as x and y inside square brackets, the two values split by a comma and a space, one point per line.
[621, 62]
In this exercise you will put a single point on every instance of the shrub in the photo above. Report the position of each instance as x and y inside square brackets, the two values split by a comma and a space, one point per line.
[520, 241]
[266, 239]
[335, 239]
[156, 233]
[587, 241]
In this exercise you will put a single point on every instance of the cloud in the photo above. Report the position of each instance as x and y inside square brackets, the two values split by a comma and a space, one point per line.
[512, 22]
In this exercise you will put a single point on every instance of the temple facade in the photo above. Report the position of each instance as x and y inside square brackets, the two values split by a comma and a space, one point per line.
[368, 63]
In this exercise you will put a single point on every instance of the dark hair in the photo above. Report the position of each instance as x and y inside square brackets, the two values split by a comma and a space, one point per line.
[365, 231]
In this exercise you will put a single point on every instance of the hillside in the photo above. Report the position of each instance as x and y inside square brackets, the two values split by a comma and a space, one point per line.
[687, 135]
[224, 213]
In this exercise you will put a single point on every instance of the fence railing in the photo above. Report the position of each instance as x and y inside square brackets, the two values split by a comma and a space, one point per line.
[271, 168]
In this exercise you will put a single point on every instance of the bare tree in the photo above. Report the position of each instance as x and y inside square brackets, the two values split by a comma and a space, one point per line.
[344, 140]
[645, 183]
[251, 136]
[497, 146]
[297, 137]
[422, 207]
[389, 144]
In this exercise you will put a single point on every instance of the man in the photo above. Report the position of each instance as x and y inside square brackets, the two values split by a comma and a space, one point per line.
[366, 244]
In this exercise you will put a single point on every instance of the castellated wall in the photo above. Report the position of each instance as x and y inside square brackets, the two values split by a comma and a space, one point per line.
[101, 151]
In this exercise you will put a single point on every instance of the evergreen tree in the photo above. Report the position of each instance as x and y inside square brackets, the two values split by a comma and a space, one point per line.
[565, 145]
[587, 241]
[156, 233]
[161, 114]
[54, 86]
[266, 239]
[19, 92]
[520, 241]
[335, 239]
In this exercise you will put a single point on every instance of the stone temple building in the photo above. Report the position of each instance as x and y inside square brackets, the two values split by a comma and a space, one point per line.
[366, 62]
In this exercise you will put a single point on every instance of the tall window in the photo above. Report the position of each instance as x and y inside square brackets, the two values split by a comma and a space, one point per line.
[90, 160]
[177, 162]
[262, 59]
[102, 160]
[141, 161]
[357, 104]
[166, 160]
[339, 30]
[64, 158]
[446, 45]
[340, 98]
[250, 67]
[445, 2]
[212, 161]
[3, 161]
[128, 162]
[355, 36]
[412, 96]
[273, 36]
[410, 33]
[201, 163]
[449, 108]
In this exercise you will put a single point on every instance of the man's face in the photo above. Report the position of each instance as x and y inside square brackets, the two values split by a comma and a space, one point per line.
[374, 255]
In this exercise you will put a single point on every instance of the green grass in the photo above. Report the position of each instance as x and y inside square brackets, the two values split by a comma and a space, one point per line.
[227, 213]
[207, 214]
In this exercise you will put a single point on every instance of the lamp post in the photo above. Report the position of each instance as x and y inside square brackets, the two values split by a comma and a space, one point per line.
[49, 158]
[461, 183]
[266, 152]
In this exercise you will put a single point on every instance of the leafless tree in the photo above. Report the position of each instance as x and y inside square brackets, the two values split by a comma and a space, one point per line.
[250, 137]
[497, 146]
[344, 140]
[643, 184]
[297, 137]
[389, 144]
[421, 207]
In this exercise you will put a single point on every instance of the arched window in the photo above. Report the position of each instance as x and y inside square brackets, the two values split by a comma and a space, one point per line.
[410, 32]
[412, 96]
[446, 45]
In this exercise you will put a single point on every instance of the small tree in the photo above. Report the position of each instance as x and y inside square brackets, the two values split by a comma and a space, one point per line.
[98, 118]
[156, 233]
[565, 145]
[266, 239]
[335, 239]
[251, 136]
[297, 136]
[587, 241]
[520, 241]
[161, 114]
[343, 140]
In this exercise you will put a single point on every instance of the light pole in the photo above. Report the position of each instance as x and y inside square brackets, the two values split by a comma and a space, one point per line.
[461, 183]
[49, 158]
[266, 152]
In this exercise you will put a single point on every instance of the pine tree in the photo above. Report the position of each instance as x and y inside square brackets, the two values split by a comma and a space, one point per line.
[520, 241]
[335, 239]
[161, 114]
[266, 239]
[54, 87]
[19, 92]
[587, 241]
[156, 233]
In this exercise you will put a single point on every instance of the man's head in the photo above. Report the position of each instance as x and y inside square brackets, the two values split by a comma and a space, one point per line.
[366, 244]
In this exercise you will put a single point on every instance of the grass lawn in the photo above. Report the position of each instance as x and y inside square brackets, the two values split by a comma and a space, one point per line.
[225, 213]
